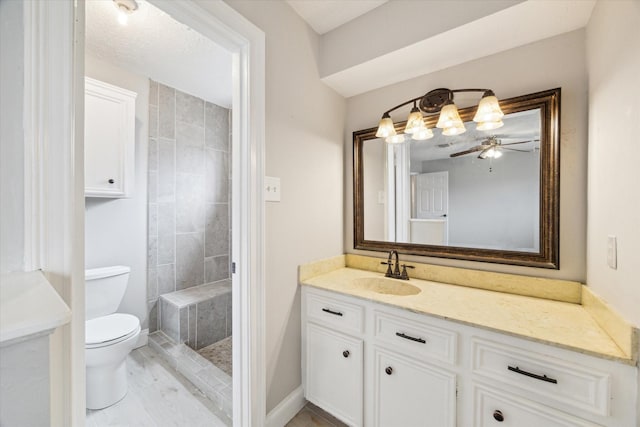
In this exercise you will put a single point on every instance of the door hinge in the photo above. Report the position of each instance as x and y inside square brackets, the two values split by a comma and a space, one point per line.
[233, 268]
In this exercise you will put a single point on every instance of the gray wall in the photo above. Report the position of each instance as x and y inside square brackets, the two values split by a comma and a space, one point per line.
[510, 73]
[492, 203]
[115, 229]
[189, 193]
[12, 137]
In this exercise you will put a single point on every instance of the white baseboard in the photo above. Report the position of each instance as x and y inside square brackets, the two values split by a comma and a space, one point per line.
[287, 409]
[143, 338]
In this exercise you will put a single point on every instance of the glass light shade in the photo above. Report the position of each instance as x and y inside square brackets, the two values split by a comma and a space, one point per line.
[497, 154]
[385, 127]
[449, 117]
[123, 15]
[415, 121]
[488, 109]
[422, 134]
[490, 125]
[395, 139]
[454, 130]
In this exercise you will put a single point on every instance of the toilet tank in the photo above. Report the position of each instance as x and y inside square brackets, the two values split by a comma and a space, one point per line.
[104, 289]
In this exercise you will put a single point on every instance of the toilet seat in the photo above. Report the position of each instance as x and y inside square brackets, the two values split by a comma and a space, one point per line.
[112, 329]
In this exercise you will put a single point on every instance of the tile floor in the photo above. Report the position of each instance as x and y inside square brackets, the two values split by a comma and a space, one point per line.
[158, 396]
[220, 354]
[312, 416]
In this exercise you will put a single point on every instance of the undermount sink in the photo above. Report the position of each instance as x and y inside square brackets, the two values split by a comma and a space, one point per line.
[382, 285]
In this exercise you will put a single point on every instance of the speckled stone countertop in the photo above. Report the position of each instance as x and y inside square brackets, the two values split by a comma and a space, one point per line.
[558, 323]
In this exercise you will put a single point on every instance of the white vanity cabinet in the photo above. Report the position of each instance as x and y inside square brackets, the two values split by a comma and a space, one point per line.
[109, 140]
[410, 369]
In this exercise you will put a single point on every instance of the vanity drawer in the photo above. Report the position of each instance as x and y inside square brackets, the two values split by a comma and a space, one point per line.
[545, 378]
[335, 313]
[417, 339]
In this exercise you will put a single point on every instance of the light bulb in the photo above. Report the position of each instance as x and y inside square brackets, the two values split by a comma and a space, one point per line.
[123, 16]
[422, 134]
[490, 125]
[454, 130]
[395, 139]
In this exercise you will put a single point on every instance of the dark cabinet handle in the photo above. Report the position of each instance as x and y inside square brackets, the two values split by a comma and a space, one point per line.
[111, 181]
[335, 313]
[529, 374]
[497, 415]
[388, 370]
[345, 353]
[408, 337]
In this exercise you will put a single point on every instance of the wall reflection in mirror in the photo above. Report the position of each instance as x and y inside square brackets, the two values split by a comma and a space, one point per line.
[479, 195]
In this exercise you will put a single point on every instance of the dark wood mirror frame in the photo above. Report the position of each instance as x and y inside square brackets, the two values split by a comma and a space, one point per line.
[548, 255]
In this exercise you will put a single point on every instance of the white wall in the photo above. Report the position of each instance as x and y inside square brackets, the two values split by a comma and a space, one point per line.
[547, 64]
[116, 229]
[492, 203]
[613, 63]
[12, 137]
[304, 125]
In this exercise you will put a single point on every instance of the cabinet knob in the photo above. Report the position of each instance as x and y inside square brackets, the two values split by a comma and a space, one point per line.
[111, 181]
[389, 370]
[497, 415]
[345, 353]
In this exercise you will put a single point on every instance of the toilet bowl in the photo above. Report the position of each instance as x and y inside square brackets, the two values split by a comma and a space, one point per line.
[109, 336]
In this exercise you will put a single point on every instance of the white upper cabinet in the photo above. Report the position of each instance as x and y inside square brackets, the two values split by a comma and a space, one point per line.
[109, 140]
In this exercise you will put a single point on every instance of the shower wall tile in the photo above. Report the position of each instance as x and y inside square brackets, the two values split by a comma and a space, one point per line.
[217, 229]
[166, 170]
[212, 320]
[172, 320]
[189, 109]
[166, 278]
[152, 250]
[153, 155]
[189, 260]
[191, 341]
[216, 268]
[166, 112]
[189, 134]
[152, 309]
[153, 93]
[217, 176]
[152, 284]
[166, 249]
[152, 187]
[229, 318]
[153, 121]
[190, 207]
[152, 220]
[216, 127]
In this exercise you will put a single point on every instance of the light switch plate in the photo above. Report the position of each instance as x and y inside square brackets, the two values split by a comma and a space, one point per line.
[612, 252]
[271, 189]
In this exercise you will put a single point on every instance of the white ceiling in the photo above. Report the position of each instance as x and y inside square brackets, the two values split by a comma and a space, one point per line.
[326, 15]
[155, 45]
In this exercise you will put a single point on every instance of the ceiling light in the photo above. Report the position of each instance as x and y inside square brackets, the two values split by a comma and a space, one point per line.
[489, 115]
[125, 8]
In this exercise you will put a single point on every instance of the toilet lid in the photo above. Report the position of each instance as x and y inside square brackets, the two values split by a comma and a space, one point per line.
[109, 328]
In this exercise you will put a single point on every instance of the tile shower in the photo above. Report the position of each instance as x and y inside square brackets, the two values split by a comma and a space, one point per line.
[189, 286]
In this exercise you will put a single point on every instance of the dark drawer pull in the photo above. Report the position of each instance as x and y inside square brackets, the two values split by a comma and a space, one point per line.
[408, 337]
[529, 374]
[389, 370]
[497, 415]
[335, 313]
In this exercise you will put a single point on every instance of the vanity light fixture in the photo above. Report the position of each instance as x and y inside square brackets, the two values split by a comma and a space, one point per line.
[125, 8]
[488, 116]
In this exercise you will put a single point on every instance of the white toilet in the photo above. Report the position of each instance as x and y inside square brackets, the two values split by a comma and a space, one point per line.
[109, 336]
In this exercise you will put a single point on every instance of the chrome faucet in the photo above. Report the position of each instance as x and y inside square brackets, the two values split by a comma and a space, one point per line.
[394, 272]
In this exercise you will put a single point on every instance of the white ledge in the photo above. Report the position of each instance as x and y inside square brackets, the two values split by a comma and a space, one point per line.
[29, 306]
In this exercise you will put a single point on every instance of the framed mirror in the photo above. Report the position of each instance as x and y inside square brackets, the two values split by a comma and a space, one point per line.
[489, 196]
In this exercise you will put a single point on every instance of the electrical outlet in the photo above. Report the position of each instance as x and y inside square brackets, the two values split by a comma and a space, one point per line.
[612, 252]
[271, 189]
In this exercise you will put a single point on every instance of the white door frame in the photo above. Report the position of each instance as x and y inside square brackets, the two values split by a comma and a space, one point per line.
[54, 196]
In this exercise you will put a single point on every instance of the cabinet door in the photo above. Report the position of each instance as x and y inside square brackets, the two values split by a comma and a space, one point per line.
[109, 140]
[495, 409]
[409, 393]
[334, 373]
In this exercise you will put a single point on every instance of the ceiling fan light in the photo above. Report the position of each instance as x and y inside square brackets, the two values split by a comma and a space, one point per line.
[454, 130]
[449, 116]
[497, 154]
[395, 139]
[490, 125]
[422, 134]
[488, 109]
[385, 127]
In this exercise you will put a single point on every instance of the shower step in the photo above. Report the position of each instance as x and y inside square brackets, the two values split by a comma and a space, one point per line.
[198, 316]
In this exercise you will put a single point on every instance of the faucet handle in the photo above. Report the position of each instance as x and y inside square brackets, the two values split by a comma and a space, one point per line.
[405, 275]
[389, 273]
